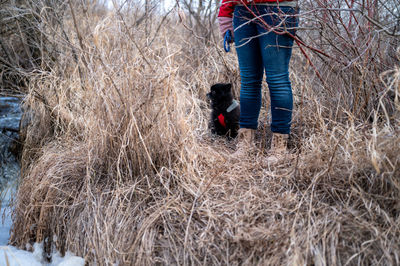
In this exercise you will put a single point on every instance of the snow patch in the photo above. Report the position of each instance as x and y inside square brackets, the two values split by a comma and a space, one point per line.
[12, 256]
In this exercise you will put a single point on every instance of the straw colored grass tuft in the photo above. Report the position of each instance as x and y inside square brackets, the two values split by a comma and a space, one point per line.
[119, 167]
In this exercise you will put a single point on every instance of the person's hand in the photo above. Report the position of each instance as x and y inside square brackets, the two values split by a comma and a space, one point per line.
[225, 24]
[228, 38]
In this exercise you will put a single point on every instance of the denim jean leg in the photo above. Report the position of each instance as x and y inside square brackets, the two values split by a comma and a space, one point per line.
[276, 61]
[251, 69]
[276, 54]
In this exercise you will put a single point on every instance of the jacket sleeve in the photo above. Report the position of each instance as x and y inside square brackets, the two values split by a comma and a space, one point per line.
[226, 8]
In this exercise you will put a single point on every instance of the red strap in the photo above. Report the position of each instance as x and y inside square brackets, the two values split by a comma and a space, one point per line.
[221, 119]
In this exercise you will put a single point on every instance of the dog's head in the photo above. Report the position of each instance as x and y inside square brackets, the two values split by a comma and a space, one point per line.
[220, 92]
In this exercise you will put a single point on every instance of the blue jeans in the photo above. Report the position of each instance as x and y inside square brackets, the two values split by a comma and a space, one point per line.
[259, 49]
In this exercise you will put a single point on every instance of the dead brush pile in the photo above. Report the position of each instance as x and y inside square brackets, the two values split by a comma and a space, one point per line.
[24, 43]
[118, 165]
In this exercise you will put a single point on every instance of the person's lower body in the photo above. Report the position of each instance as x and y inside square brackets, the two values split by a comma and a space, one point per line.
[266, 48]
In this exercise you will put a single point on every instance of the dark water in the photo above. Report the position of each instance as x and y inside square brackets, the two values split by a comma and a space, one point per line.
[10, 115]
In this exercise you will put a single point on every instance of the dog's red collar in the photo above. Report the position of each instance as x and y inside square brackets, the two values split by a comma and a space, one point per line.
[221, 119]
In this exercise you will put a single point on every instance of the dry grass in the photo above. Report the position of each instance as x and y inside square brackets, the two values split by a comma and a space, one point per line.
[119, 167]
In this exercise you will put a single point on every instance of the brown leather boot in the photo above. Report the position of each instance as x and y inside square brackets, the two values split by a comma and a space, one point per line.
[278, 151]
[245, 143]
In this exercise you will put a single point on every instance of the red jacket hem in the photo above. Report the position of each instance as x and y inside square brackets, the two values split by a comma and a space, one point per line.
[227, 6]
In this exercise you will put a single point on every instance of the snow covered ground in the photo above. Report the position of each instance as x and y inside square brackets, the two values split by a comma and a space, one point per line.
[17, 257]
[12, 256]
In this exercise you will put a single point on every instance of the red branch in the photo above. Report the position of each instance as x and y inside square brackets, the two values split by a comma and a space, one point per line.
[298, 41]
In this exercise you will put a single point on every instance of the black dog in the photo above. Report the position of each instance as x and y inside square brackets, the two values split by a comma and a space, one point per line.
[225, 111]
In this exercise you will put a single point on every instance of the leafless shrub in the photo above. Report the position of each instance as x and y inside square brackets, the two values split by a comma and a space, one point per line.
[201, 17]
[360, 39]
[24, 43]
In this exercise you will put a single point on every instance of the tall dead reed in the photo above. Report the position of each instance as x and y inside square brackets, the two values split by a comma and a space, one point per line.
[119, 167]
